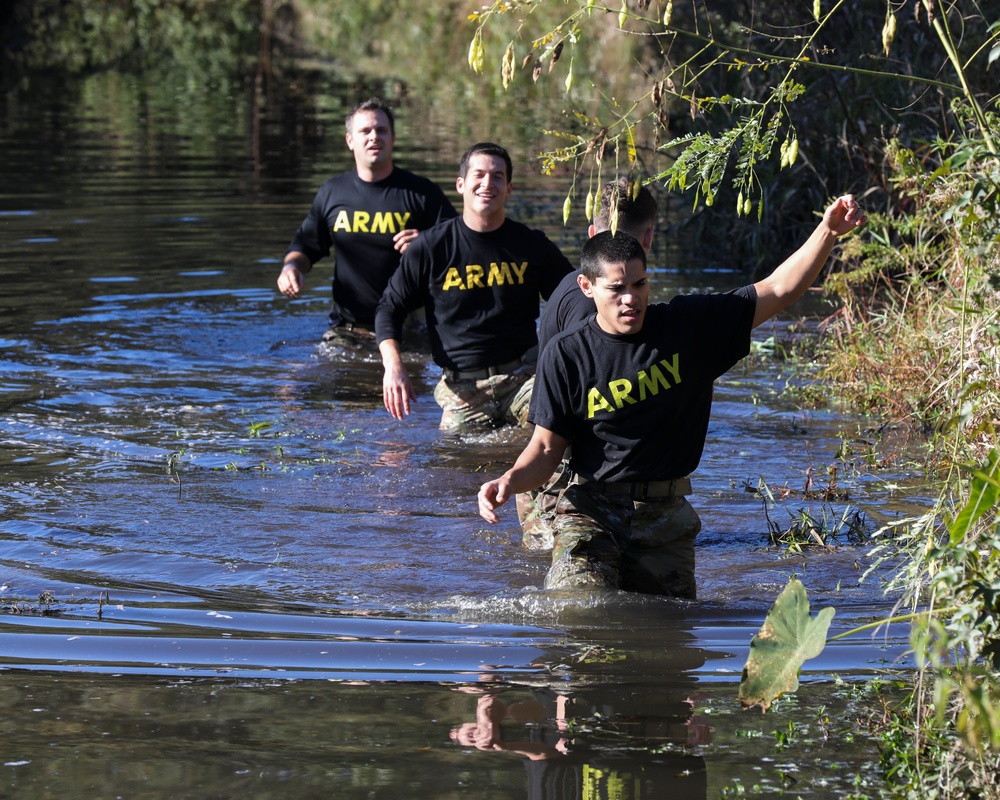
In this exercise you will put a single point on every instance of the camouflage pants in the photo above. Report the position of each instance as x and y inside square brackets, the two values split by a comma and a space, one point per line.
[486, 403]
[611, 541]
[536, 509]
[351, 338]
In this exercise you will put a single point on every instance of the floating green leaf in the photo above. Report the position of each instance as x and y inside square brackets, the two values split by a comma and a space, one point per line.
[788, 637]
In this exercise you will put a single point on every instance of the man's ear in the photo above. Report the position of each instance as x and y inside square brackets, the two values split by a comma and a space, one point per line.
[585, 285]
[459, 183]
[647, 238]
[592, 230]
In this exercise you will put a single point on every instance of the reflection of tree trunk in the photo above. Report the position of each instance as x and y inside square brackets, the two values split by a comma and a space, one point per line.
[263, 73]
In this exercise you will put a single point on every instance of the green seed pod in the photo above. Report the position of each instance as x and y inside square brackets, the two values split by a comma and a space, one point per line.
[590, 206]
[667, 13]
[567, 206]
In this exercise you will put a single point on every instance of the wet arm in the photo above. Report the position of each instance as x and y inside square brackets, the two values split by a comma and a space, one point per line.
[533, 467]
[296, 265]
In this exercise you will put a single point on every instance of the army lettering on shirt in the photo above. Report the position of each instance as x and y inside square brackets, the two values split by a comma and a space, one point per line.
[636, 407]
[366, 222]
[357, 220]
[480, 291]
[646, 384]
[475, 276]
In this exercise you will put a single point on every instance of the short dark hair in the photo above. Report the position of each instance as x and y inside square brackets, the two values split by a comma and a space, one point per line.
[489, 149]
[634, 214]
[372, 104]
[609, 248]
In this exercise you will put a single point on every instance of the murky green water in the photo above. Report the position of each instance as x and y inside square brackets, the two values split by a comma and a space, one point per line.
[255, 583]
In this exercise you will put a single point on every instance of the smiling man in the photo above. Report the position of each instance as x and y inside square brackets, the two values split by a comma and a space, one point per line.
[630, 389]
[479, 278]
[368, 217]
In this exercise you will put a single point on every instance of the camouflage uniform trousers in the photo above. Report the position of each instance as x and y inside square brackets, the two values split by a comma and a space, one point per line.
[604, 540]
[492, 402]
[536, 509]
[352, 338]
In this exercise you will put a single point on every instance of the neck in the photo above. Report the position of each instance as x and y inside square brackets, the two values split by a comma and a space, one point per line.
[369, 175]
[482, 223]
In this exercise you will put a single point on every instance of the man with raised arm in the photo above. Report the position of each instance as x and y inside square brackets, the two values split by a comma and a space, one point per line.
[479, 277]
[635, 211]
[368, 216]
[631, 391]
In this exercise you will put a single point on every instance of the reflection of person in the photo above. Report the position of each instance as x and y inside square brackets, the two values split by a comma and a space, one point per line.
[567, 307]
[368, 216]
[479, 278]
[568, 756]
[631, 391]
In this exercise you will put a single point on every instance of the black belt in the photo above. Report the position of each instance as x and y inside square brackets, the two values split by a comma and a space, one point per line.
[481, 374]
[647, 490]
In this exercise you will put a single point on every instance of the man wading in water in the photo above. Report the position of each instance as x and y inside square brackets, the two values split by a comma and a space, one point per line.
[630, 389]
[368, 216]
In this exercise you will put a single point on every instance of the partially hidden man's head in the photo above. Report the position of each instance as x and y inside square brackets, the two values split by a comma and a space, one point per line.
[613, 274]
[636, 214]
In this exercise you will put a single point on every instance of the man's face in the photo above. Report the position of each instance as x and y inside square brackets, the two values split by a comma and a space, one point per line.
[371, 140]
[621, 295]
[484, 186]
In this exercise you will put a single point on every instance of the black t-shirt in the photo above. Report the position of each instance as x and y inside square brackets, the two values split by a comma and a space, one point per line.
[567, 306]
[636, 407]
[358, 220]
[479, 291]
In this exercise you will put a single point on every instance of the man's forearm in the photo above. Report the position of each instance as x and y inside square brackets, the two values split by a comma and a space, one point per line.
[299, 260]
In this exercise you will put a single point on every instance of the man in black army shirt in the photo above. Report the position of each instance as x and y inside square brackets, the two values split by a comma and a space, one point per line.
[479, 277]
[631, 390]
[368, 216]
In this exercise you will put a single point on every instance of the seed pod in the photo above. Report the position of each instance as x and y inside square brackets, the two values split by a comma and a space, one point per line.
[477, 54]
[623, 14]
[656, 95]
[888, 32]
[793, 151]
[526, 60]
[817, 10]
[567, 207]
[709, 199]
[536, 71]
[590, 205]
[507, 66]
[739, 204]
[555, 55]
[569, 78]
[747, 206]
[668, 13]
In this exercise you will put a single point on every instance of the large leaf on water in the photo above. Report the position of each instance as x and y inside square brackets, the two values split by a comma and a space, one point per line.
[788, 637]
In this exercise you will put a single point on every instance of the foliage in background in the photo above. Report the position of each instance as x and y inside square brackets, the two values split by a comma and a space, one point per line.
[208, 39]
[767, 109]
